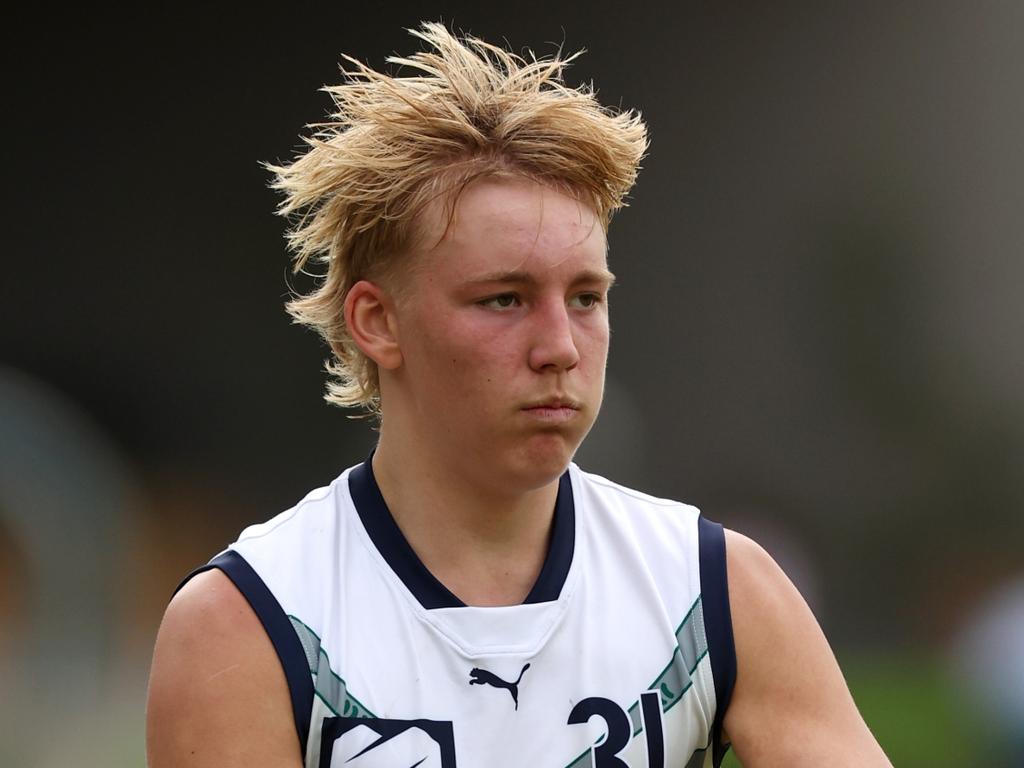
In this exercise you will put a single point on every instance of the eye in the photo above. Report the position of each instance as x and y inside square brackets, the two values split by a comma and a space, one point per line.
[501, 301]
[585, 300]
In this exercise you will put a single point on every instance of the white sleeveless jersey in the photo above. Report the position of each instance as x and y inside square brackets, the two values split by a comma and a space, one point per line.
[620, 657]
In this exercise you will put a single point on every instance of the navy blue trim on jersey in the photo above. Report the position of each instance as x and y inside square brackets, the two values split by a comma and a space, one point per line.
[389, 540]
[391, 543]
[563, 542]
[278, 627]
[714, 589]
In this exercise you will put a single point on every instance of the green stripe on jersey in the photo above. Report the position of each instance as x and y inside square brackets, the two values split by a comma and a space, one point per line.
[327, 684]
[675, 679]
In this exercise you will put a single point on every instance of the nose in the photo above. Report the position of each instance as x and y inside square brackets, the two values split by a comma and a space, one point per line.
[554, 347]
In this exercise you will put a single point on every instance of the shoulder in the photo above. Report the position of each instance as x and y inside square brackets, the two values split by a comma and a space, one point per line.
[214, 668]
[772, 624]
[790, 704]
[757, 586]
[771, 621]
[209, 611]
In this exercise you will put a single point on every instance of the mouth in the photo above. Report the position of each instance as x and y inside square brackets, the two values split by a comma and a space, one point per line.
[556, 410]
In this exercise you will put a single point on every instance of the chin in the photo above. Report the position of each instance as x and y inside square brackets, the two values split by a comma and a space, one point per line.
[543, 462]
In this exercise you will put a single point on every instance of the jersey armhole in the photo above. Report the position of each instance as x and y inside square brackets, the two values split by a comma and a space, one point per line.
[278, 628]
[714, 587]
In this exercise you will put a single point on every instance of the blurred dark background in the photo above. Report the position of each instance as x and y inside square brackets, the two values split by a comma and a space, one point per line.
[817, 328]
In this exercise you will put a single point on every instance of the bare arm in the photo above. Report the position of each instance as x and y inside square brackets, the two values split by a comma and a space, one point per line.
[217, 692]
[790, 706]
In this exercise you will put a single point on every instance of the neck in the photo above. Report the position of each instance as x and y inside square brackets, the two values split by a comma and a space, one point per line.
[487, 545]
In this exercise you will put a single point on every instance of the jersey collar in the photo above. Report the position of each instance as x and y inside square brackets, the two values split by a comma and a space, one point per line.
[431, 593]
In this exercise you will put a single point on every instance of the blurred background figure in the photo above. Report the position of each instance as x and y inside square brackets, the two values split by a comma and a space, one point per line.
[67, 507]
[817, 327]
[988, 661]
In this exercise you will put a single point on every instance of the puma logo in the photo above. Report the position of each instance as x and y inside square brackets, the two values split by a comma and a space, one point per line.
[479, 676]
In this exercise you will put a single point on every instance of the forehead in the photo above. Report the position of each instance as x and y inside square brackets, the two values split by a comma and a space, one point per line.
[512, 224]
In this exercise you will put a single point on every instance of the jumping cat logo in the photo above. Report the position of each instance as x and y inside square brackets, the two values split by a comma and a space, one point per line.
[348, 742]
[479, 676]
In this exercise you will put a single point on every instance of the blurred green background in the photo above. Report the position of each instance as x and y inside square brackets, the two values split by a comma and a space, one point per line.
[817, 327]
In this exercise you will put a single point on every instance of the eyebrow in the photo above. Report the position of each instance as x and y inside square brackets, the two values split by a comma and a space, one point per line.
[525, 278]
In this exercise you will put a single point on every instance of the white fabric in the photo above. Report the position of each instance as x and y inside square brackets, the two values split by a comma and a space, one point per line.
[610, 634]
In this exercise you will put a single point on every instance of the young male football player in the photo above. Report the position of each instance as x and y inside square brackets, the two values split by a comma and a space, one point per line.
[467, 596]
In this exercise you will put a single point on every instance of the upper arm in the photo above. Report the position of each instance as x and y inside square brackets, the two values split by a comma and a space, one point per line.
[217, 692]
[790, 705]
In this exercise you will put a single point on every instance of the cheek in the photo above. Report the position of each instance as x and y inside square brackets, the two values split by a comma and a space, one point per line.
[593, 343]
[457, 357]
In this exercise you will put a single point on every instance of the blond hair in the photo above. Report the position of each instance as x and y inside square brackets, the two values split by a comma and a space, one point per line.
[395, 143]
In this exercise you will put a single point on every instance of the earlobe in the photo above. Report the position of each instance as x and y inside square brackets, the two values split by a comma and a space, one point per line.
[371, 321]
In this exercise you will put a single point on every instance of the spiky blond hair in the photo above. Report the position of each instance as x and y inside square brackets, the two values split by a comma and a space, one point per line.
[393, 144]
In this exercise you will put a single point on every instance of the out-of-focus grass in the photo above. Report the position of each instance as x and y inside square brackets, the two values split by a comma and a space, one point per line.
[915, 712]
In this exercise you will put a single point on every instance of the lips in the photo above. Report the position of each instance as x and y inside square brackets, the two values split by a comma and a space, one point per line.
[554, 402]
[554, 410]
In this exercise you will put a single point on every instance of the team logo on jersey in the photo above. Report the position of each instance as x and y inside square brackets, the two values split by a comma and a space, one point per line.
[352, 742]
[479, 676]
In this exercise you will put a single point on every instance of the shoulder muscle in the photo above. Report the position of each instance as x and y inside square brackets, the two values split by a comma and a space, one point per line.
[790, 705]
[217, 692]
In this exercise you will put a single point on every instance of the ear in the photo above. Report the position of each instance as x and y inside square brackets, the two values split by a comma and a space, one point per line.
[372, 323]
